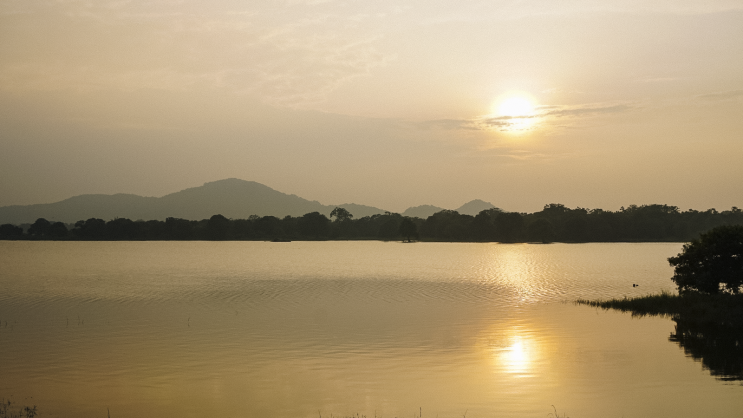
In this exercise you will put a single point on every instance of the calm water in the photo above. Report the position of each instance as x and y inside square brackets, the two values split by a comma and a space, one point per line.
[302, 329]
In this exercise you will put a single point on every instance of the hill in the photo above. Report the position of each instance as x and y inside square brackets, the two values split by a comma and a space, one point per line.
[474, 207]
[232, 198]
[422, 211]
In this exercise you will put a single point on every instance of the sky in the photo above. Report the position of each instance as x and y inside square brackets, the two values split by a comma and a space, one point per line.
[588, 103]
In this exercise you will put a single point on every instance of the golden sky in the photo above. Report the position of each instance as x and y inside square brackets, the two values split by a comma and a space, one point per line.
[590, 103]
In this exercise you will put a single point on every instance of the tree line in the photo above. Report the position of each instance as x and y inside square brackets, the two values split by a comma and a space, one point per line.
[554, 223]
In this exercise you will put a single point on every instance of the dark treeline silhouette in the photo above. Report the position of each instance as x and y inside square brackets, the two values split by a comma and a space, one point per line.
[554, 223]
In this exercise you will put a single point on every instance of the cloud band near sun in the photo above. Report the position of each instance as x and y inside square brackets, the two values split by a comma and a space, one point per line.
[539, 117]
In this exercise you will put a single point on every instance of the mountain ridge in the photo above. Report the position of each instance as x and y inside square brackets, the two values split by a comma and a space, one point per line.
[233, 198]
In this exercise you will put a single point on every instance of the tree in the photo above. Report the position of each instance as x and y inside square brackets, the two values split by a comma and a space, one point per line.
[509, 227]
[40, 228]
[176, 228]
[10, 231]
[268, 227]
[57, 230]
[389, 225]
[314, 224]
[93, 228]
[447, 224]
[482, 228]
[408, 229]
[341, 214]
[217, 227]
[711, 263]
[120, 229]
[541, 230]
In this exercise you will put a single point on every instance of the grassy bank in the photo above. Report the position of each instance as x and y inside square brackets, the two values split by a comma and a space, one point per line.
[720, 309]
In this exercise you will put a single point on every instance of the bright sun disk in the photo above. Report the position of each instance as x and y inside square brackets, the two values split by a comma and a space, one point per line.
[514, 114]
[516, 106]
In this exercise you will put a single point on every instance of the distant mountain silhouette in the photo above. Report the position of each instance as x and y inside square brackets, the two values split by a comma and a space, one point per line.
[422, 211]
[470, 208]
[474, 207]
[358, 211]
[233, 198]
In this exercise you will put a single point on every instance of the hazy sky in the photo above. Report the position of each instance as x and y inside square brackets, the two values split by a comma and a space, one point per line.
[385, 103]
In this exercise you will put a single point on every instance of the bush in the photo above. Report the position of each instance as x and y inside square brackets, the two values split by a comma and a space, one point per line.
[713, 263]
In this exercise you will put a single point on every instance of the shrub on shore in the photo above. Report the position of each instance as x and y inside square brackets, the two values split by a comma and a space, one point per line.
[713, 263]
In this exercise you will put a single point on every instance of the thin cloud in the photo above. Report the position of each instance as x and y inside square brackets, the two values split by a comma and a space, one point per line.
[449, 124]
[725, 95]
[287, 54]
[543, 114]
[505, 123]
[585, 111]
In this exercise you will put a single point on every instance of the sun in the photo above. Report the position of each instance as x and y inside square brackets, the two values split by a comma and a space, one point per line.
[516, 106]
[514, 113]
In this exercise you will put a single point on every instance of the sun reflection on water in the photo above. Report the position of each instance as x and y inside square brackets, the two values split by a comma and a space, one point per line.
[517, 351]
[516, 358]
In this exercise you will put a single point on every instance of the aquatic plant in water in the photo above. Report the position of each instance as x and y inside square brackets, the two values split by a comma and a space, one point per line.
[8, 411]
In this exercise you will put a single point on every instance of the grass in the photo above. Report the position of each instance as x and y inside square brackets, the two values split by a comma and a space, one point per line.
[720, 309]
[7, 410]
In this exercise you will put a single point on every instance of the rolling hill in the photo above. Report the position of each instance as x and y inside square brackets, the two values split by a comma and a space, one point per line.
[233, 198]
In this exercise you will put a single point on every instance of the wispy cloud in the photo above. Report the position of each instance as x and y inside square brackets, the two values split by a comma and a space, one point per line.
[565, 111]
[449, 124]
[724, 95]
[542, 115]
[288, 53]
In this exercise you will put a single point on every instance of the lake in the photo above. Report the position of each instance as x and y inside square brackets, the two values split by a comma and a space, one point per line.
[314, 329]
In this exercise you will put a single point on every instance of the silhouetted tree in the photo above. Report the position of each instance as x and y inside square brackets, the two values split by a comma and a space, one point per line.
[343, 225]
[576, 225]
[57, 230]
[175, 228]
[634, 223]
[341, 214]
[268, 227]
[509, 227]
[482, 228]
[711, 263]
[159, 230]
[243, 229]
[449, 225]
[541, 230]
[40, 228]
[315, 225]
[218, 227]
[93, 228]
[10, 231]
[120, 229]
[408, 229]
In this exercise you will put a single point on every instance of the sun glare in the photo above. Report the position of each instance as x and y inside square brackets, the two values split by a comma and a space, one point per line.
[514, 113]
[516, 106]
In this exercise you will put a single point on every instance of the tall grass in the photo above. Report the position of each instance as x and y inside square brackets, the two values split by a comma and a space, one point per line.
[8, 411]
[721, 309]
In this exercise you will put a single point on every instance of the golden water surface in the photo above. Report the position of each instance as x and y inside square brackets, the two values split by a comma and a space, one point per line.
[308, 329]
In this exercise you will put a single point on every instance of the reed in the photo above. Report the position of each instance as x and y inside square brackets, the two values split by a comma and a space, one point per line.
[7, 410]
[722, 309]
